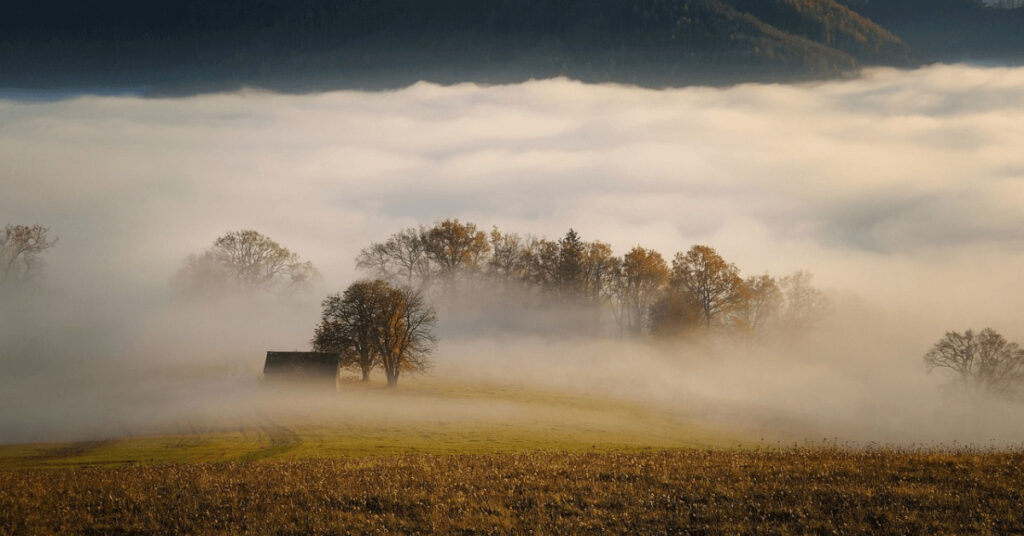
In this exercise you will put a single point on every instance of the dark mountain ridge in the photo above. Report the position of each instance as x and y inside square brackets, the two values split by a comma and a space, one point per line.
[300, 45]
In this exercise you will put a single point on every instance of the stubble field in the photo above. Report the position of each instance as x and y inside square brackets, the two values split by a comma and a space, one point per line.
[447, 458]
[790, 491]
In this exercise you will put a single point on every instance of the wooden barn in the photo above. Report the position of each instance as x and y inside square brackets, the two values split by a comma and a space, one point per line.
[302, 366]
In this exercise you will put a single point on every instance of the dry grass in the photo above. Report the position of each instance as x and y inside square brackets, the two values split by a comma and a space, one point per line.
[796, 491]
[424, 416]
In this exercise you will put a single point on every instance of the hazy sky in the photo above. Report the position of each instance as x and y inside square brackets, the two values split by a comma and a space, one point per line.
[903, 188]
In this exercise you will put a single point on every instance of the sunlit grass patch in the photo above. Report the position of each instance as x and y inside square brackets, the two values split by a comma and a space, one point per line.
[424, 415]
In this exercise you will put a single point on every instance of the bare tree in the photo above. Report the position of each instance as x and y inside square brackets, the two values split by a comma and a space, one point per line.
[541, 263]
[508, 258]
[762, 304]
[982, 361]
[401, 259]
[20, 248]
[405, 332]
[715, 284]
[248, 260]
[803, 305]
[373, 323]
[347, 326]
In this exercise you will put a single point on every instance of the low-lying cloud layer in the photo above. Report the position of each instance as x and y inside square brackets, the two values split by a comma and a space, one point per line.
[902, 188]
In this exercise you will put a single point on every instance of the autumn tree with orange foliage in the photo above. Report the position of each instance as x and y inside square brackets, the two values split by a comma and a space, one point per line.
[455, 249]
[714, 284]
[644, 276]
[639, 291]
[761, 306]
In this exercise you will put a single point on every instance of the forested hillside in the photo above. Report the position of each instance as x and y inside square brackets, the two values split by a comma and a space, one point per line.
[299, 45]
[829, 23]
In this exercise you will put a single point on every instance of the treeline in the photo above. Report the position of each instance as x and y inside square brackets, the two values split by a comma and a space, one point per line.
[244, 260]
[636, 293]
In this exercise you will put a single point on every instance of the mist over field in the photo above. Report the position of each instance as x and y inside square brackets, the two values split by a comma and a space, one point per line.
[900, 190]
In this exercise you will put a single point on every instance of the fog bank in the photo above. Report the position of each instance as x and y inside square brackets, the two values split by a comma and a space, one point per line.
[901, 191]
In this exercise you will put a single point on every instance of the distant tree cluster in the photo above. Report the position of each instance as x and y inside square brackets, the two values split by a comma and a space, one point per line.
[639, 292]
[982, 362]
[375, 324]
[245, 260]
[21, 249]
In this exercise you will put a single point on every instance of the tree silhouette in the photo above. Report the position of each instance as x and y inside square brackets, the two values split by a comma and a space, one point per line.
[762, 303]
[639, 290]
[803, 305]
[404, 332]
[246, 260]
[20, 248]
[714, 284]
[456, 249]
[373, 323]
[571, 271]
[401, 259]
[601, 269]
[347, 325]
[983, 361]
[644, 276]
[508, 258]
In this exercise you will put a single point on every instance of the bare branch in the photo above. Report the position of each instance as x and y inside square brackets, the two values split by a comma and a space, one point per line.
[20, 247]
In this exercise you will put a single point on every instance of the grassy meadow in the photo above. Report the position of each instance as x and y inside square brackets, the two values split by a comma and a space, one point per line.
[423, 415]
[462, 458]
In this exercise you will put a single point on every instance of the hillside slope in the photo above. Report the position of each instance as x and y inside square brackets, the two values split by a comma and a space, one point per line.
[831, 24]
[307, 44]
[424, 416]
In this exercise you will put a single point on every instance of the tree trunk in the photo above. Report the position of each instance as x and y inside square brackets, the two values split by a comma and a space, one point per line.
[366, 374]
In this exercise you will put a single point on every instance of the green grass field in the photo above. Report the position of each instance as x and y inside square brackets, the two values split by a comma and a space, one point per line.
[424, 415]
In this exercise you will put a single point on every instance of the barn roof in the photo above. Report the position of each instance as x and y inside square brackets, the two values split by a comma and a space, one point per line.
[301, 365]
